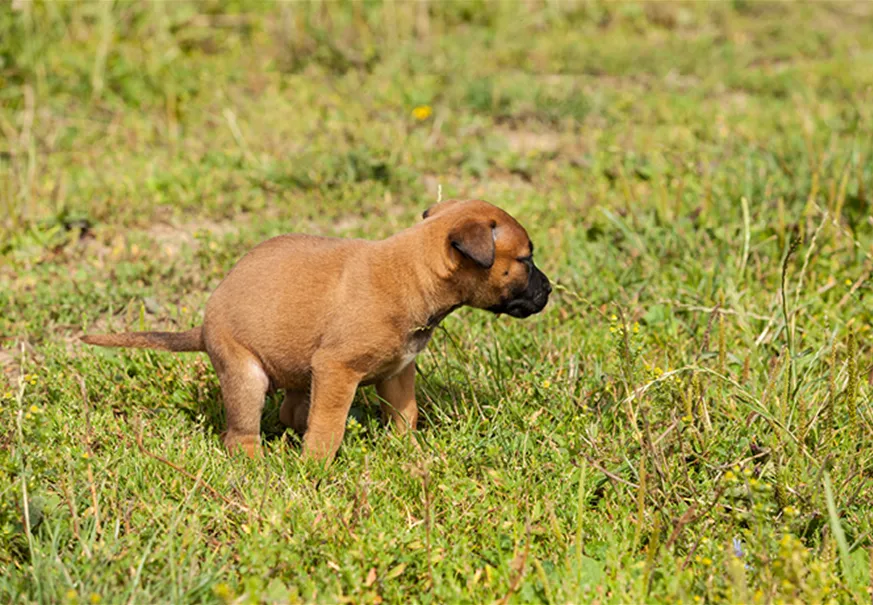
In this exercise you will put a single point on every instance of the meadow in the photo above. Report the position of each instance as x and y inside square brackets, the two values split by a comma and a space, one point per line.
[688, 421]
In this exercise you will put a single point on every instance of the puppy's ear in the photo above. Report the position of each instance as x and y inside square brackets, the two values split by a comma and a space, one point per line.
[475, 240]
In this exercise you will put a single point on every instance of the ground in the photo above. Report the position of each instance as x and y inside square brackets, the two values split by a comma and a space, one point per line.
[688, 421]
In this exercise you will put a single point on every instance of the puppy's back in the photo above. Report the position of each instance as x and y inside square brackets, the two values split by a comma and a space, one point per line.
[278, 297]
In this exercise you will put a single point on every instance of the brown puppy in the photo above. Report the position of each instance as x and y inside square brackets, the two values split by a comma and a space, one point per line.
[320, 316]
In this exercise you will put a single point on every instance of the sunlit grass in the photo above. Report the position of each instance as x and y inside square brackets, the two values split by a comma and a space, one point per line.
[687, 422]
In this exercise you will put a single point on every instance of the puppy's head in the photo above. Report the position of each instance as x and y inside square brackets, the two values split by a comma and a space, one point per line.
[491, 258]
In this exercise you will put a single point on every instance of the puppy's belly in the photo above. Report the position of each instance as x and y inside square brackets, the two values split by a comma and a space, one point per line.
[298, 379]
[289, 367]
[290, 380]
[287, 364]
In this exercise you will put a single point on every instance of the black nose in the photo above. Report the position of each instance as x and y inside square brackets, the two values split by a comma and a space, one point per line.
[539, 283]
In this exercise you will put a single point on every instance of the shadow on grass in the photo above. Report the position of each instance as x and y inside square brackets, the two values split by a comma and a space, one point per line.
[436, 399]
[207, 408]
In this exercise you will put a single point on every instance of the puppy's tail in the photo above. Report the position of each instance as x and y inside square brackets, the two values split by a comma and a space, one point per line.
[192, 340]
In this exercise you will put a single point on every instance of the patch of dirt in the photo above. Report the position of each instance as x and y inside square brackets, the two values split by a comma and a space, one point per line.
[489, 188]
[172, 238]
[682, 82]
[525, 141]
[7, 363]
[10, 360]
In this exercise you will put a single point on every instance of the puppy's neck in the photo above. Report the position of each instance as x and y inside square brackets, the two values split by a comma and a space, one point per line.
[433, 295]
[434, 320]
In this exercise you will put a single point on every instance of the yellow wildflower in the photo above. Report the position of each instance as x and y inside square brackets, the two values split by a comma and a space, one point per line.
[422, 112]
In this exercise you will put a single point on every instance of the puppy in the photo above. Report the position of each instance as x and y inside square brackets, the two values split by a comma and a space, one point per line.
[320, 316]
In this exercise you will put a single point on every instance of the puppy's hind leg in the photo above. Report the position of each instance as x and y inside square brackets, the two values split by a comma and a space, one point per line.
[244, 385]
[295, 411]
[398, 394]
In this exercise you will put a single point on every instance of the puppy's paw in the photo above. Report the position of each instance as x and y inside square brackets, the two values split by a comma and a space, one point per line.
[250, 445]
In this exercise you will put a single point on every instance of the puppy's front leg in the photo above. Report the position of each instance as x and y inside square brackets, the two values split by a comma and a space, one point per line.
[398, 393]
[333, 389]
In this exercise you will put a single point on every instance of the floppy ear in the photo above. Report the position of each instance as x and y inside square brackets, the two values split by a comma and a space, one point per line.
[475, 240]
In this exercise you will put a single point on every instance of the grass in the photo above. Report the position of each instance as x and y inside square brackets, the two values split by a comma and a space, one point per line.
[689, 420]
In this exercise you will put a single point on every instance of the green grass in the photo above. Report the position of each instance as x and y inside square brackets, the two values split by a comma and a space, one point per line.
[697, 180]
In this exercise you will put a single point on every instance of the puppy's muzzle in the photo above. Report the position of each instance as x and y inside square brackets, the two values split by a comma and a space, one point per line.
[529, 301]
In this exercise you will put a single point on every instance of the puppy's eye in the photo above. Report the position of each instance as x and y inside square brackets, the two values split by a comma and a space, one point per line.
[525, 259]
